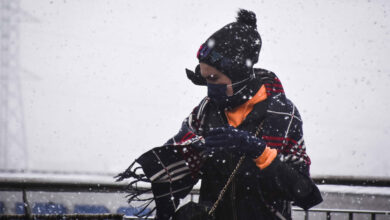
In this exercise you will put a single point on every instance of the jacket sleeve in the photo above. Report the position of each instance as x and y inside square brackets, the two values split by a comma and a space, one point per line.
[287, 176]
[281, 180]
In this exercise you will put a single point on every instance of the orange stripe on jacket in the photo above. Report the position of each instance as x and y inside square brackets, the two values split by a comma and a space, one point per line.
[237, 115]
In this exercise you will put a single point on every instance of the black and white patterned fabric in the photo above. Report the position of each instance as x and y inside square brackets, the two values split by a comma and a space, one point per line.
[174, 168]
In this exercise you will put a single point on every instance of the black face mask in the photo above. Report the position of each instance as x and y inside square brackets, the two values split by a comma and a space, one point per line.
[217, 94]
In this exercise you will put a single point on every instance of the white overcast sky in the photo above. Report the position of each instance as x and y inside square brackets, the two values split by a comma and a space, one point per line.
[103, 81]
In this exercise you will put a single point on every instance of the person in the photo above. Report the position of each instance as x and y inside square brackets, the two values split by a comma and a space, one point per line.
[244, 140]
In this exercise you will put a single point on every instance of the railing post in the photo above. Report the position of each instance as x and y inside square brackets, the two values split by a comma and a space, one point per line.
[350, 216]
[373, 216]
[26, 205]
[327, 215]
[306, 215]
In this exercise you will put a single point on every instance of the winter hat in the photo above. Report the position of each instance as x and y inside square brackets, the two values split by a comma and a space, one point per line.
[235, 48]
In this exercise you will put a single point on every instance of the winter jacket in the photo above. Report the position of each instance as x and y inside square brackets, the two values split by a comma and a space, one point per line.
[255, 193]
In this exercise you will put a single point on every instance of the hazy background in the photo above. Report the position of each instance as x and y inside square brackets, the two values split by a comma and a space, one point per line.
[104, 81]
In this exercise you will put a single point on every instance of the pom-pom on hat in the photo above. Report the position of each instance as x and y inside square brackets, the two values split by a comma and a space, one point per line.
[235, 48]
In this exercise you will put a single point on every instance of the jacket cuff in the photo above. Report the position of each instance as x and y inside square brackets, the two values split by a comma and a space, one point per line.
[266, 158]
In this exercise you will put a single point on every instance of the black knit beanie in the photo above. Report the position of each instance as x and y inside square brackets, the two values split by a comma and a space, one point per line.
[235, 48]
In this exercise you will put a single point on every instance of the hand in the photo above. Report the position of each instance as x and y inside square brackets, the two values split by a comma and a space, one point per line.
[239, 141]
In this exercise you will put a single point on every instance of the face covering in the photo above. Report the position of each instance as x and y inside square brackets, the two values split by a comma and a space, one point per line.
[217, 93]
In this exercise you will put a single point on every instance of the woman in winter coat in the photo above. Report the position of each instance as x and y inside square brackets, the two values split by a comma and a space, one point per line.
[244, 140]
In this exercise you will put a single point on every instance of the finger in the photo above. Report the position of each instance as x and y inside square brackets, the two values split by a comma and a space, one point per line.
[223, 143]
[226, 130]
[218, 143]
[216, 131]
[220, 137]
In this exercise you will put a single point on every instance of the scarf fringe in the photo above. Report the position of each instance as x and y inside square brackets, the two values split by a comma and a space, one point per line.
[131, 173]
[134, 191]
[146, 215]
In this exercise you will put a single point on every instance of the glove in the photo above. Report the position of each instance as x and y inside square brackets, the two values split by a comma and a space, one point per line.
[239, 141]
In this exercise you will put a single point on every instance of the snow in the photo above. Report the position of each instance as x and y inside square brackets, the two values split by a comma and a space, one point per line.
[63, 178]
[100, 88]
[103, 179]
[357, 190]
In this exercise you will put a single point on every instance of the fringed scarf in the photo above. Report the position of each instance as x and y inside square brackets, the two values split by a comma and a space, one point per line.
[172, 169]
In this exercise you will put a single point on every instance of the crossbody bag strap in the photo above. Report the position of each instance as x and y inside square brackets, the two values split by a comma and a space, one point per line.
[232, 175]
[220, 196]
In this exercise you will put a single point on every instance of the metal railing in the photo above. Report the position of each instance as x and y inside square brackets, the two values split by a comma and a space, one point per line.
[66, 216]
[350, 212]
[58, 186]
[328, 213]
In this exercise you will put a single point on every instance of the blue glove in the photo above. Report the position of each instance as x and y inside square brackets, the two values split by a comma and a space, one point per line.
[239, 141]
